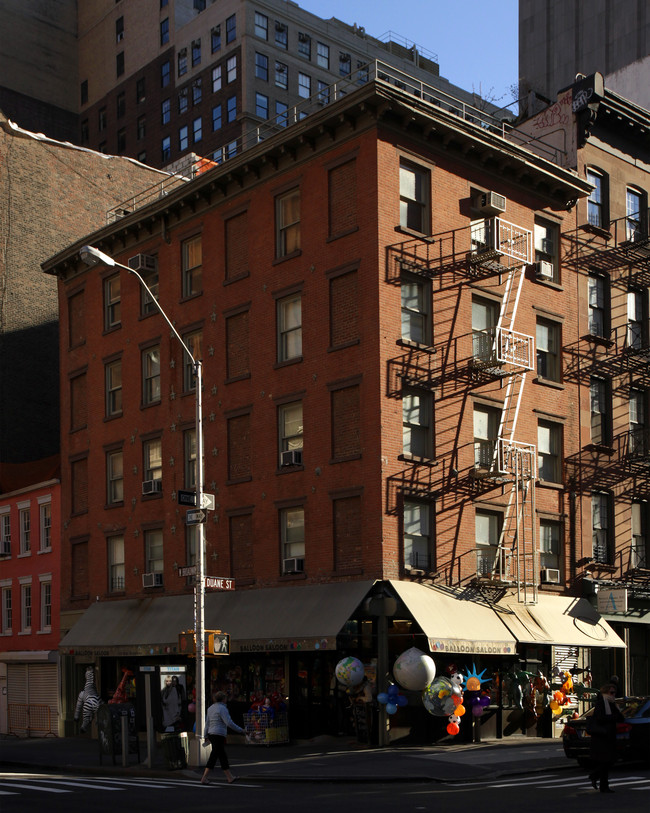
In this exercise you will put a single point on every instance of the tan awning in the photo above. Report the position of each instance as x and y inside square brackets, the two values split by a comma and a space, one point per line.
[557, 620]
[278, 619]
[456, 621]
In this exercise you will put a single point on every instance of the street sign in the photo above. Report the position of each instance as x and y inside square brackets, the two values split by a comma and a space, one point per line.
[186, 497]
[194, 517]
[190, 570]
[207, 502]
[219, 583]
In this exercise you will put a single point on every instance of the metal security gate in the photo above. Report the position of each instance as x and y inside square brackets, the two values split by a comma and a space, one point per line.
[32, 695]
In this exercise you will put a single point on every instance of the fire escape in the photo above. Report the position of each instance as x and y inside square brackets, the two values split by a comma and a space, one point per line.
[489, 247]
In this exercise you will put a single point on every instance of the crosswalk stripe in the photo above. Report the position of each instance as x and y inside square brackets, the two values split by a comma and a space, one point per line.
[33, 787]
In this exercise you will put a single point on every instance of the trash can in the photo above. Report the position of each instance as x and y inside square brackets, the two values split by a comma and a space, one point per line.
[176, 749]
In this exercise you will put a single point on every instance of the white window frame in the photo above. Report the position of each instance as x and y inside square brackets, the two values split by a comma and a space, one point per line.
[5, 531]
[46, 602]
[45, 524]
[6, 610]
[416, 535]
[548, 345]
[292, 532]
[549, 451]
[416, 309]
[152, 459]
[26, 599]
[24, 526]
[290, 426]
[550, 543]
[417, 422]
[414, 197]
[116, 564]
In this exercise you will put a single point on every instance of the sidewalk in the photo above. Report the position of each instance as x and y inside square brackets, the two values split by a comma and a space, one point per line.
[324, 759]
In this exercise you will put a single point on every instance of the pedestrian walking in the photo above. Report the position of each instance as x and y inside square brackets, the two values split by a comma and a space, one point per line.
[602, 730]
[217, 723]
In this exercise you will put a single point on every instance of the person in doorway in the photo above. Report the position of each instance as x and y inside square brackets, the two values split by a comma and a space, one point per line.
[602, 730]
[172, 704]
[217, 723]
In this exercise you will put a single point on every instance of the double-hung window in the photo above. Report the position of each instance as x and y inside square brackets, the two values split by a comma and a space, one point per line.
[113, 373]
[416, 310]
[289, 317]
[549, 451]
[634, 225]
[46, 603]
[413, 198]
[194, 342]
[635, 319]
[292, 533]
[116, 567]
[548, 350]
[287, 214]
[24, 518]
[261, 26]
[112, 302]
[596, 200]
[191, 266]
[151, 375]
[290, 428]
[487, 532]
[114, 477]
[152, 459]
[549, 544]
[600, 523]
[45, 521]
[598, 301]
[600, 398]
[417, 422]
[417, 535]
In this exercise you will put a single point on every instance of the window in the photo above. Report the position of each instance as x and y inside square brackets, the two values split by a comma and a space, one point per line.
[417, 535]
[261, 105]
[600, 523]
[153, 545]
[5, 534]
[151, 376]
[85, 134]
[216, 79]
[485, 313]
[323, 55]
[46, 606]
[290, 426]
[281, 117]
[636, 338]
[261, 66]
[231, 109]
[116, 570]
[287, 216]
[216, 117]
[281, 75]
[486, 429]
[598, 300]
[114, 477]
[231, 28]
[196, 52]
[548, 344]
[197, 129]
[121, 105]
[113, 376]
[166, 148]
[183, 137]
[413, 198]
[231, 69]
[164, 31]
[304, 45]
[635, 227]
[639, 554]
[549, 544]
[488, 530]
[7, 614]
[345, 64]
[194, 342]
[112, 302]
[191, 266]
[141, 127]
[549, 452]
[215, 39]
[183, 101]
[638, 437]
[101, 119]
[323, 92]
[596, 214]
[152, 459]
[289, 328]
[197, 92]
[150, 277]
[281, 35]
[140, 90]
[292, 528]
[84, 92]
[182, 62]
[261, 26]
[417, 439]
[24, 524]
[45, 517]
[165, 74]
[600, 398]
[25, 607]
[121, 140]
[363, 74]
[119, 63]
[547, 237]
[304, 85]
[416, 310]
[231, 149]
[189, 457]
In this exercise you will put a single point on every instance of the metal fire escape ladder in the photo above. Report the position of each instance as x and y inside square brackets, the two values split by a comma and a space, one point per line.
[515, 459]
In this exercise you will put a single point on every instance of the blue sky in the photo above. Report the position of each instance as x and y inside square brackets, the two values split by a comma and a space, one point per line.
[476, 40]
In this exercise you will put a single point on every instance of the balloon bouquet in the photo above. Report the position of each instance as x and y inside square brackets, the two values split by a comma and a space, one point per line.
[444, 696]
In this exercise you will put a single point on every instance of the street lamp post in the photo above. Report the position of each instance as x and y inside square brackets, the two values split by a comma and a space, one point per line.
[93, 256]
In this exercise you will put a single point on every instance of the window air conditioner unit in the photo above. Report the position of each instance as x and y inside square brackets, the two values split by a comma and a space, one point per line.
[151, 486]
[544, 269]
[491, 203]
[550, 575]
[152, 579]
[294, 565]
[142, 262]
[303, 37]
[291, 458]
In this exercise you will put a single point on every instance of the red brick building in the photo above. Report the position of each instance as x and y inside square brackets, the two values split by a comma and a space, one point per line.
[363, 291]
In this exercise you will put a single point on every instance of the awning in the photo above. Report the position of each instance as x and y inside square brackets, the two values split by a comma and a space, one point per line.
[276, 619]
[557, 620]
[629, 617]
[456, 621]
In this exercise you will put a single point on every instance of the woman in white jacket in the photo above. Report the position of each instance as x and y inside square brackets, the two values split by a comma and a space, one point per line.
[217, 723]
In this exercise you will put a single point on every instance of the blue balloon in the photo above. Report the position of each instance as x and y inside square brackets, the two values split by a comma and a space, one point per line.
[401, 700]
[382, 697]
[393, 691]
[391, 708]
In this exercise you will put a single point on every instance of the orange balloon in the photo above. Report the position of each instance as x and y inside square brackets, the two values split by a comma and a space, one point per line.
[453, 729]
[457, 699]
[460, 710]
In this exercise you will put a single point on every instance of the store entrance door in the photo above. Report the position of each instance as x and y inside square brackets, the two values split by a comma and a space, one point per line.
[309, 694]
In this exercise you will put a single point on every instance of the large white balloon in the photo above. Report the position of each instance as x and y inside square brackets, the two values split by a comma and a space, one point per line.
[414, 670]
[350, 671]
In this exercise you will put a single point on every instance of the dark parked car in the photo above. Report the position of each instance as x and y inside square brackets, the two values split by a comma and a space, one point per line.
[632, 736]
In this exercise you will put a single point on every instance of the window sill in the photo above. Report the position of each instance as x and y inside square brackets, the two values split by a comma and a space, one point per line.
[287, 363]
[234, 481]
[291, 577]
[351, 343]
[346, 459]
[548, 283]
[598, 340]
[425, 348]
[237, 278]
[24, 555]
[548, 382]
[345, 233]
[289, 469]
[600, 448]
[413, 233]
[110, 505]
[43, 550]
[113, 417]
[189, 297]
[158, 495]
[291, 256]
[550, 484]
[111, 329]
[151, 404]
[242, 377]
[599, 230]
[418, 461]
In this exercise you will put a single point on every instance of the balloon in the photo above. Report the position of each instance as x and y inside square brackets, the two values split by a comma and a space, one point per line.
[350, 671]
[460, 710]
[453, 729]
[484, 701]
[191, 708]
[477, 710]
[382, 697]
[401, 700]
[437, 697]
[391, 708]
[414, 670]
[393, 691]
[554, 705]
